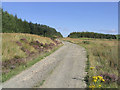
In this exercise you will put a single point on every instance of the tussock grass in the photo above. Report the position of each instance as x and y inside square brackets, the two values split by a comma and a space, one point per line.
[103, 55]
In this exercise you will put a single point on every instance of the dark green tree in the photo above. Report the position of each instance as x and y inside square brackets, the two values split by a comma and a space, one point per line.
[13, 24]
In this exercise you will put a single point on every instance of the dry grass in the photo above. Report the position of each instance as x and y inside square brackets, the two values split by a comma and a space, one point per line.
[103, 55]
[20, 51]
[10, 49]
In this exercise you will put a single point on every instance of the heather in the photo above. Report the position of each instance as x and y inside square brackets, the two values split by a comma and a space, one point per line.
[102, 61]
[20, 49]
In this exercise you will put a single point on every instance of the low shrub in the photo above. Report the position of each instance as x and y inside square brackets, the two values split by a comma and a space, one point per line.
[24, 40]
[25, 50]
[118, 81]
[19, 43]
[41, 44]
[36, 46]
[109, 78]
[86, 42]
[17, 57]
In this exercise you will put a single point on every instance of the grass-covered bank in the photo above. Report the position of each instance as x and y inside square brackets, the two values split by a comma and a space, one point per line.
[27, 65]
[102, 60]
[23, 51]
[13, 42]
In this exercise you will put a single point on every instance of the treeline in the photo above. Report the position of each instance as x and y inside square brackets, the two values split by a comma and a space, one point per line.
[91, 35]
[13, 24]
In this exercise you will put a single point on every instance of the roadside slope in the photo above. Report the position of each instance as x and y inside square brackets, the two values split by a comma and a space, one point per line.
[63, 68]
[19, 51]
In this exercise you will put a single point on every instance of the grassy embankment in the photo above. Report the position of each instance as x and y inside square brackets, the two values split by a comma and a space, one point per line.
[102, 61]
[20, 51]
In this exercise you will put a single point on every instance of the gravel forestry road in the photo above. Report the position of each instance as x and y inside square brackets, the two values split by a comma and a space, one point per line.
[65, 68]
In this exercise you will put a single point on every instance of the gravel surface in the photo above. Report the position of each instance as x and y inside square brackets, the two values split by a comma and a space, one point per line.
[65, 68]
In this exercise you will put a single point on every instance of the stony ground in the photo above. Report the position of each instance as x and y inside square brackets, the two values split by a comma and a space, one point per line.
[65, 68]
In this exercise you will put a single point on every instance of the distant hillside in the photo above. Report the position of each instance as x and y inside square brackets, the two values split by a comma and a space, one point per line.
[91, 35]
[13, 24]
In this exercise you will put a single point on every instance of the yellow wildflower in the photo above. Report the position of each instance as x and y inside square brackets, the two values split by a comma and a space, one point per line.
[92, 86]
[94, 77]
[92, 68]
[100, 77]
[103, 80]
[95, 80]
[99, 85]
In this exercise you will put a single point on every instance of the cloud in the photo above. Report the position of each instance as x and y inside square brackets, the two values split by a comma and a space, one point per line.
[84, 30]
[112, 31]
[109, 31]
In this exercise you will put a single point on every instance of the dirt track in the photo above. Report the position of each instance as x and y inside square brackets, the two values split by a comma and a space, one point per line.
[65, 68]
